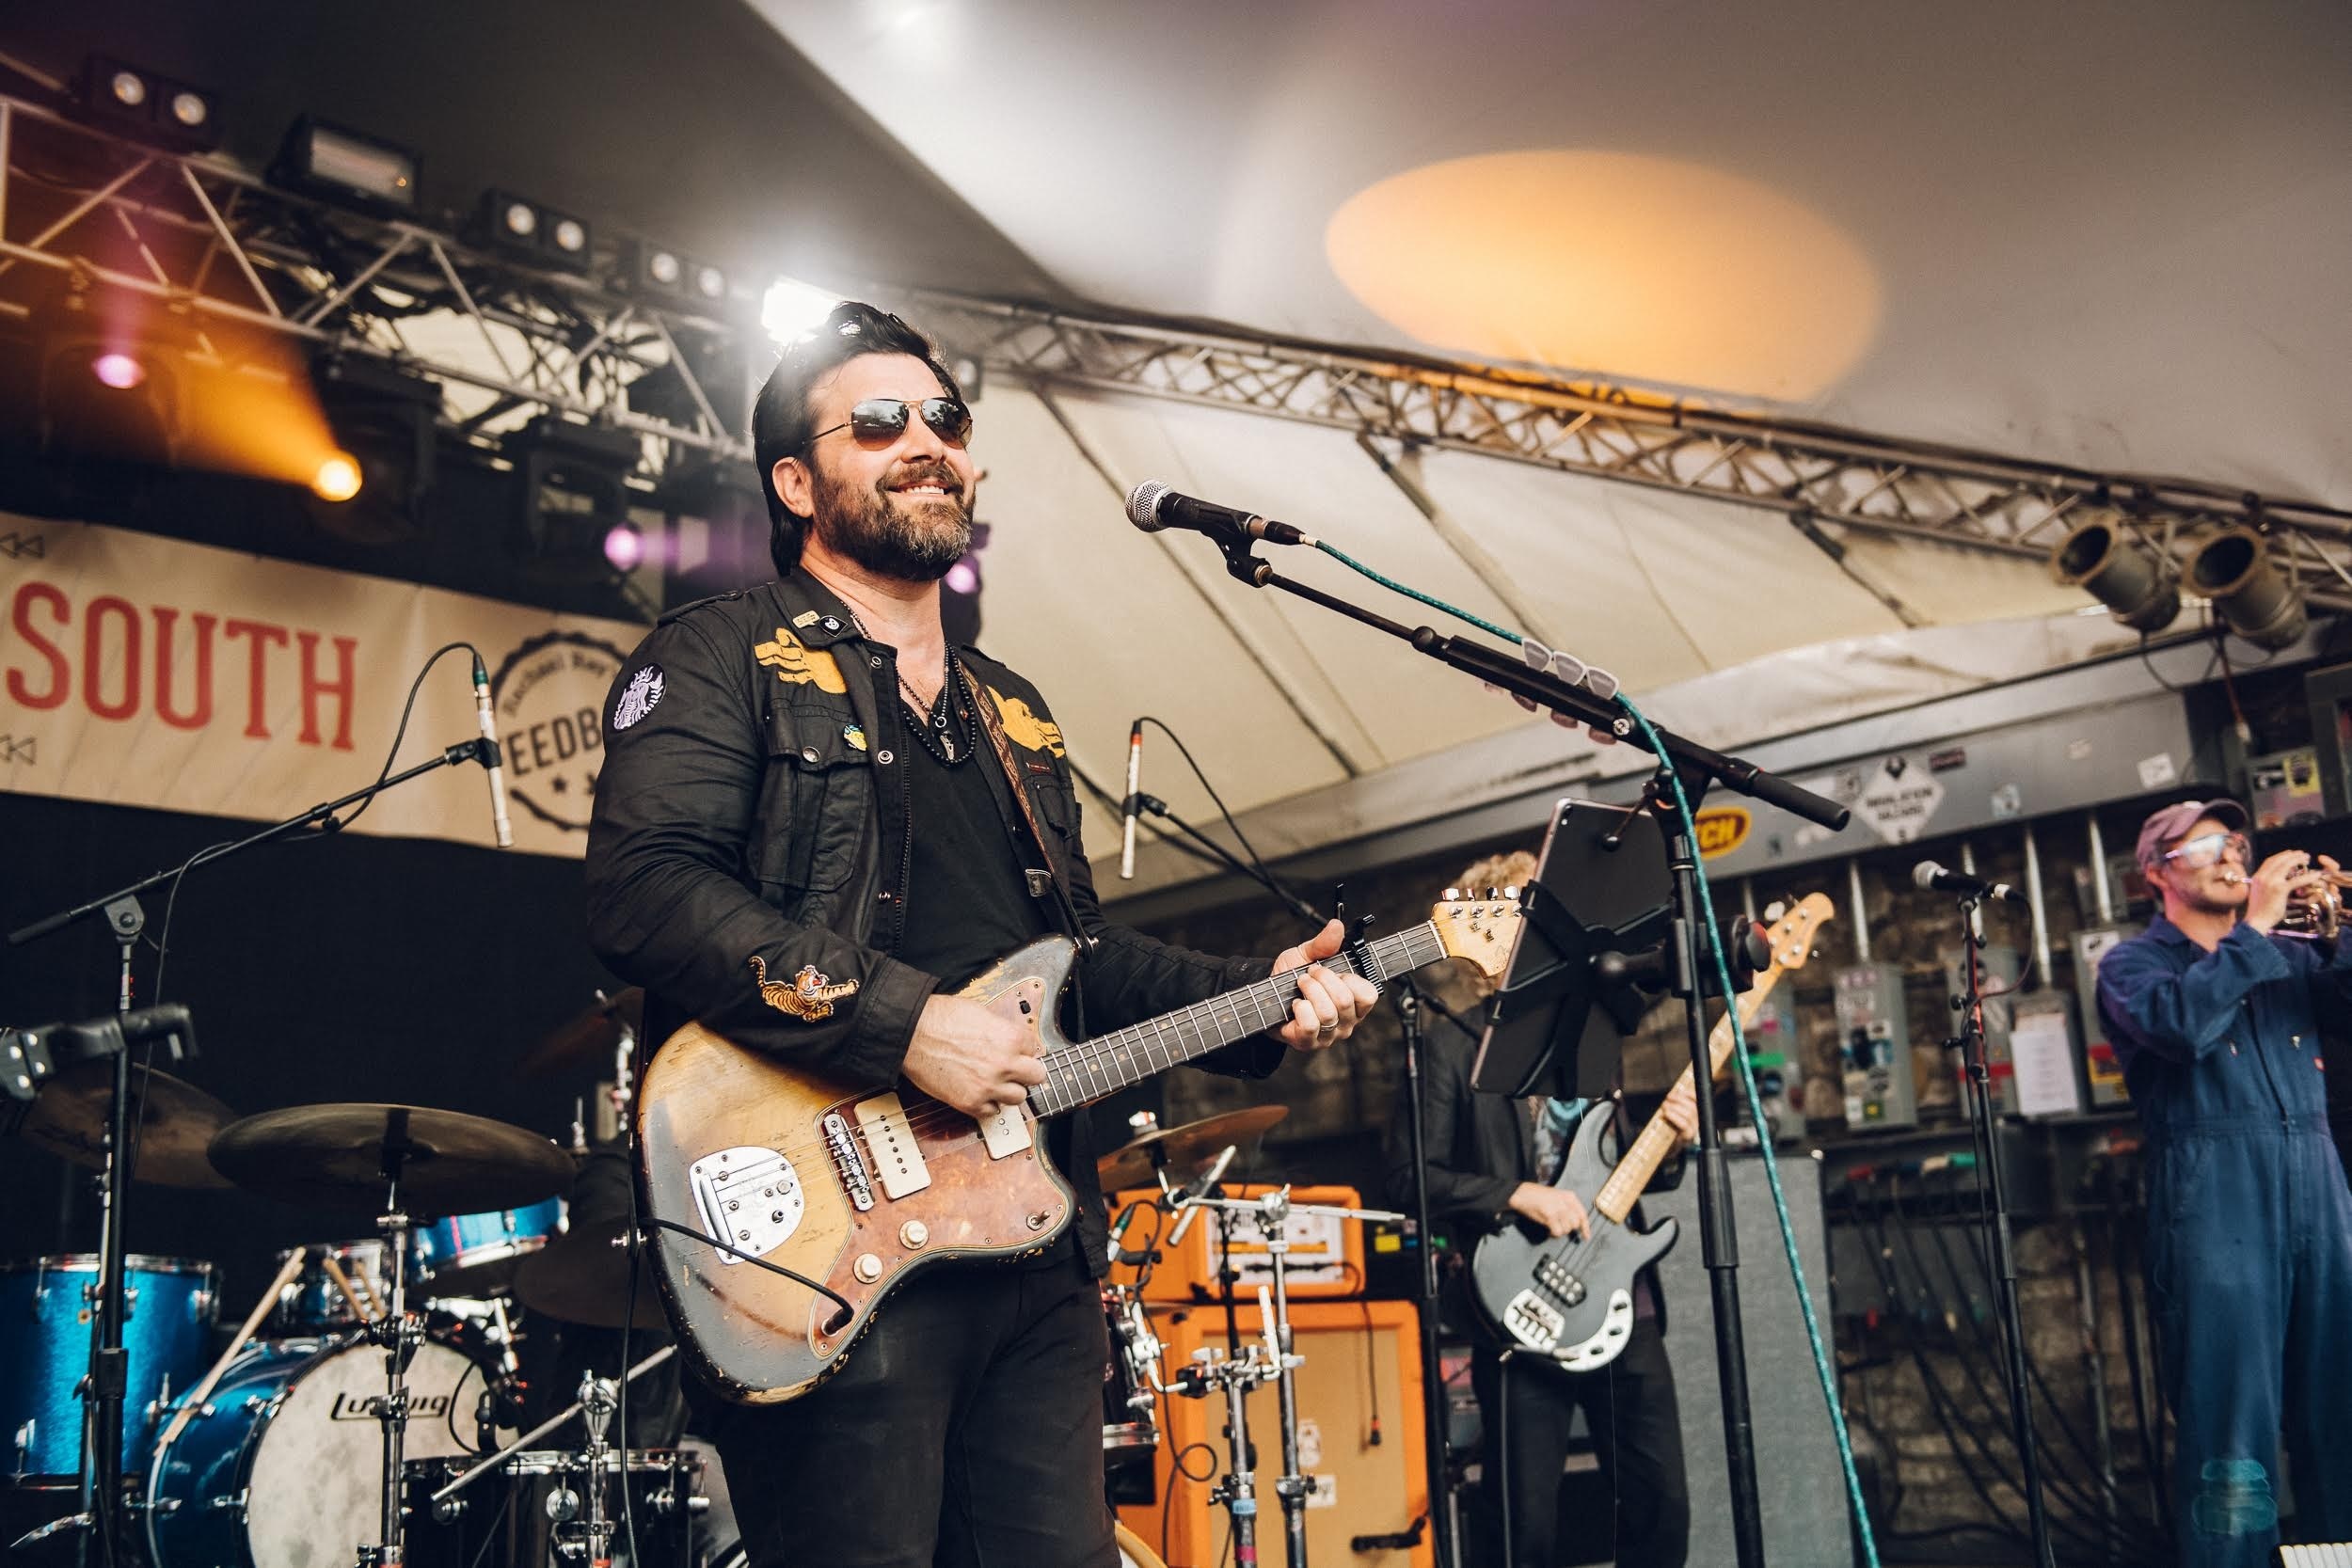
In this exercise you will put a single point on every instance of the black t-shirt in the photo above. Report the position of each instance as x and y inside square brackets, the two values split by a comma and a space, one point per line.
[967, 892]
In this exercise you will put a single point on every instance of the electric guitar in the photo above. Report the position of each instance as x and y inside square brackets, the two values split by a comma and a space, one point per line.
[1570, 1298]
[855, 1188]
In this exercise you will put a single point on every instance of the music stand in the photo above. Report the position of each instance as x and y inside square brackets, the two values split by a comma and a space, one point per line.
[1592, 924]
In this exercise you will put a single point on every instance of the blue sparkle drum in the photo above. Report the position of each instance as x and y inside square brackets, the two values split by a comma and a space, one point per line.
[283, 1465]
[48, 1306]
[475, 1255]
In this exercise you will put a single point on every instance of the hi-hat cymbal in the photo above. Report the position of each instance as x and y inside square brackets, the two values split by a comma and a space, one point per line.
[174, 1122]
[1195, 1143]
[588, 1037]
[582, 1277]
[335, 1156]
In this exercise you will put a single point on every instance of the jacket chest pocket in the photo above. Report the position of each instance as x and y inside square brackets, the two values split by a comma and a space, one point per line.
[1056, 810]
[816, 804]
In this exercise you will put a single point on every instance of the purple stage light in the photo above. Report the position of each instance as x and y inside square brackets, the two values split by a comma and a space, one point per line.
[961, 578]
[624, 548]
[118, 369]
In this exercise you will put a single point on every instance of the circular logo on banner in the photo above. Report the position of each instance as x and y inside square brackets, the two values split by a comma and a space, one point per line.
[548, 696]
[1722, 830]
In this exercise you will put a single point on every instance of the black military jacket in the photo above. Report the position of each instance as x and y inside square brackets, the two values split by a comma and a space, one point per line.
[751, 827]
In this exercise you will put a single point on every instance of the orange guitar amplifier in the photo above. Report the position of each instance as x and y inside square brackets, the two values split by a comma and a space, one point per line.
[1360, 1375]
[1326, 1257]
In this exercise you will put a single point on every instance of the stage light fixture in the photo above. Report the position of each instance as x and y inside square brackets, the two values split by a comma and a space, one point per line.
[384, 420]
[711, 282]
[532, 230]
[2254, 597]
[120, 371]
[339, 478]
[343, 165]
[660, 271]
[791, 308]
[575, 495]
[146, 105]
[2123, 570]
[110, 363]
[624, 546]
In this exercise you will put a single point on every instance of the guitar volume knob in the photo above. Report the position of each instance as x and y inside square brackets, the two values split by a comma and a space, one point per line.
[868, 1268]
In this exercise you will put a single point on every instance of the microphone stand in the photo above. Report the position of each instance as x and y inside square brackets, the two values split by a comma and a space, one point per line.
[101, 1501]
[1697, 767]
[1983, 1127]
[1433, 1411]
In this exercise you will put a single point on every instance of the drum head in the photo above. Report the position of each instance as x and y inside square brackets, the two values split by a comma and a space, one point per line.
[316, 1491]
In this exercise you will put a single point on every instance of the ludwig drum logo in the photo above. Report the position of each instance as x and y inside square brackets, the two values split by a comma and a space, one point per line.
[1722, 830]
[549, 697]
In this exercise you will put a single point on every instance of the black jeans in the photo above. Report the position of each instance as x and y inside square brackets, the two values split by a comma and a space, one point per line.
[1629, 1407]
[965, 1430]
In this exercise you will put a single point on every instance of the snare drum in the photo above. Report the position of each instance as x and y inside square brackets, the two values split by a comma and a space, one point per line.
[283, 1467]
[47, 1307]
[474, 1255]
[1131, 1427]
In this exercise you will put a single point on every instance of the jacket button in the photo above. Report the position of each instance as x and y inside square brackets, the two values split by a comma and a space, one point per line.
[873, 661]
[808, 753]
[884, 758]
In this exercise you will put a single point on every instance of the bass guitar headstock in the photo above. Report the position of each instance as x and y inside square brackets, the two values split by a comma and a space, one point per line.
[1479, 929]
[1791, 937]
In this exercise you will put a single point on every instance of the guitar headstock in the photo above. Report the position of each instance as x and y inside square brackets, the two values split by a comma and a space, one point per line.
[1479, 929]
[1791, 937]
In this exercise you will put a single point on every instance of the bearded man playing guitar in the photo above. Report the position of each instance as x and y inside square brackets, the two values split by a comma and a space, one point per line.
[1491, 1162]
[815, 820]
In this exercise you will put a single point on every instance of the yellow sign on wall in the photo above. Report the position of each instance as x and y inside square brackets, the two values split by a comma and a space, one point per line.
[1722, 830]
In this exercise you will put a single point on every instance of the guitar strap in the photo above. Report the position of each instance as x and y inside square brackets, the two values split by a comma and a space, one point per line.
[993, 723]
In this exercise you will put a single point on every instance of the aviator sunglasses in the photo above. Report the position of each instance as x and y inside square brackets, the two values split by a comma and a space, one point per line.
[878, 422]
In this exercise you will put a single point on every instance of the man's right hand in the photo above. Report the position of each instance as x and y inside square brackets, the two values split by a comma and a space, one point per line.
[1556, 1208]
[2269, 889]
[964, 1055]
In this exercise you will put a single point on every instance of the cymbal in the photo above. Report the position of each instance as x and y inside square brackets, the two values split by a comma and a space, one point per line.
[588, 1037]
[1193, 1144]
[175, 1123]
[333, 1156]
[582, 1277]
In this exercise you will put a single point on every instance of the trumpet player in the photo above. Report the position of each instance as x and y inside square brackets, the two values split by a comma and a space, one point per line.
[2215, 1013]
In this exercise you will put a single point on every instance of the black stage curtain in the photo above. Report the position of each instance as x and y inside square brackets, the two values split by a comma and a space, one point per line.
[343, 967]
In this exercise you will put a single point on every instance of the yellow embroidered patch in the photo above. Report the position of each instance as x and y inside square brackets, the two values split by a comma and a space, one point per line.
[809, 997]
[1024, 728]
[796, 665]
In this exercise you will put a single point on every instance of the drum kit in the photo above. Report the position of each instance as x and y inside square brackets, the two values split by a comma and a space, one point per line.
[366, 1408]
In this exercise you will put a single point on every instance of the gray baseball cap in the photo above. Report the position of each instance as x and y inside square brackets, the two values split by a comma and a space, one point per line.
[2161, 830]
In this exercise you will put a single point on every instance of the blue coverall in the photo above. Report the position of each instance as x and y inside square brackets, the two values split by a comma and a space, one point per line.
[2250, 1224]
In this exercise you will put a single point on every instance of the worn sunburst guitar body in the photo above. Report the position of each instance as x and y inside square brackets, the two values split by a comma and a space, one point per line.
[856, 1187]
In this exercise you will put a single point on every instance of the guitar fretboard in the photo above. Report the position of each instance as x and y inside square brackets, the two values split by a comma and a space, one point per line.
[1088, 1071]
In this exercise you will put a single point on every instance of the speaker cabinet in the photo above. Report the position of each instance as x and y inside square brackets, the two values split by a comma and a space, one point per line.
[1361, 1367]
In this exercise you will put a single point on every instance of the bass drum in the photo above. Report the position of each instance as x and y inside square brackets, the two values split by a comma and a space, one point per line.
[283, 1466]
[1132, 1553]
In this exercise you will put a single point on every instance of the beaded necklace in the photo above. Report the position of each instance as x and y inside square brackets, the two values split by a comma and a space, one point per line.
[934, 728]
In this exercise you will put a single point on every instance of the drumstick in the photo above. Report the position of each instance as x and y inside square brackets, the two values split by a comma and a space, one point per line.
[365, 1313]
[196, 1397]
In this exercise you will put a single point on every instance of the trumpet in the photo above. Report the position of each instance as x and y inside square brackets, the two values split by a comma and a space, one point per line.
[2315, 910]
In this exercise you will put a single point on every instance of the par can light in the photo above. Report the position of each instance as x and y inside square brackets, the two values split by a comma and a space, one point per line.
[2121, 570]
[2254, 597]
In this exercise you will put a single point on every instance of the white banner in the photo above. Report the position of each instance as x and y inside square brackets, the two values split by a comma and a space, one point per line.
[147, 672]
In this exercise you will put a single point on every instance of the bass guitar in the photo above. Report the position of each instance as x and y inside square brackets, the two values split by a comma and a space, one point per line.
[853, 1189]
[1570, 1298]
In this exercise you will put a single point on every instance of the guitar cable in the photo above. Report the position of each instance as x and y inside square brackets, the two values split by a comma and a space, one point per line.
[1713, 929]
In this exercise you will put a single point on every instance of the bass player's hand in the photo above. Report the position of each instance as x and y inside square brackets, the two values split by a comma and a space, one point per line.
[1556, 1208]
[964, 1055]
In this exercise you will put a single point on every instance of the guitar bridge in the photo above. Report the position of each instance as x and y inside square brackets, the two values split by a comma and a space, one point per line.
[1533, 1322]
[749, 1198]
[851, 1164]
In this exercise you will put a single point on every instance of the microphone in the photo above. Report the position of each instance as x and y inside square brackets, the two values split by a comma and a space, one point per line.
[1927, 874]
[1200, 1189]
[1119, 1233]
[1152, 506]
[489, 755]
[1134, 776]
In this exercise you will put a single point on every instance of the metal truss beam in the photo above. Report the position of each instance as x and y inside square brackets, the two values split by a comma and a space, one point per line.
[1875, 484]
[250, 262]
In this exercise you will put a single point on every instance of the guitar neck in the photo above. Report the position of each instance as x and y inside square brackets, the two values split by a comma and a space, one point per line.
[1088, 1071]
[1658, 1141]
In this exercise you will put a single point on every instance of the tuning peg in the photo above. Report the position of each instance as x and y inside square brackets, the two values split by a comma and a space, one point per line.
[1452, 894]
[1512, 892]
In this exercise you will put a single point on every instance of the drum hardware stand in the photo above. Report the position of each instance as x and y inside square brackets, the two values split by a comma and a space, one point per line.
[1984, 1128]
[592, 1542]
[441, 1499]
[400, 1332]
[1272, 1211]
[1235, 1374]
[102, 1512]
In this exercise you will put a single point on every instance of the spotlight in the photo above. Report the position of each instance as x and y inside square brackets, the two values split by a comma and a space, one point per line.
[658, 270]
[710, 283]
[959, 594]
[2234, 569]
[575, 496]
[120, 371]
[384, 420]
[145, 106]
[2123, 570]
[532, 230]
[624, 546]
[338, 479]
[342, 164]
[791, 309]
[110, 363]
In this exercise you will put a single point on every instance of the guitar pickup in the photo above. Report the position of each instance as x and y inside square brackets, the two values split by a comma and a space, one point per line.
[891, 1148]
[1006, 1133]
[1555, 1277]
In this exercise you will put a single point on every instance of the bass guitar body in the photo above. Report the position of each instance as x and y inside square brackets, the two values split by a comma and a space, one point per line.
[841, 1183]
[1567, 1300]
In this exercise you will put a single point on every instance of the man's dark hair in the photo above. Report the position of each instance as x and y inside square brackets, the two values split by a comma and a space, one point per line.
[781, 422]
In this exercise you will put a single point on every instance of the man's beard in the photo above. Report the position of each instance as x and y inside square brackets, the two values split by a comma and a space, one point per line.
[916, 542]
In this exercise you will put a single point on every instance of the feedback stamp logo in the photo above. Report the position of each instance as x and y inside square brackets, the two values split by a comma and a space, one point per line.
[549, 697]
